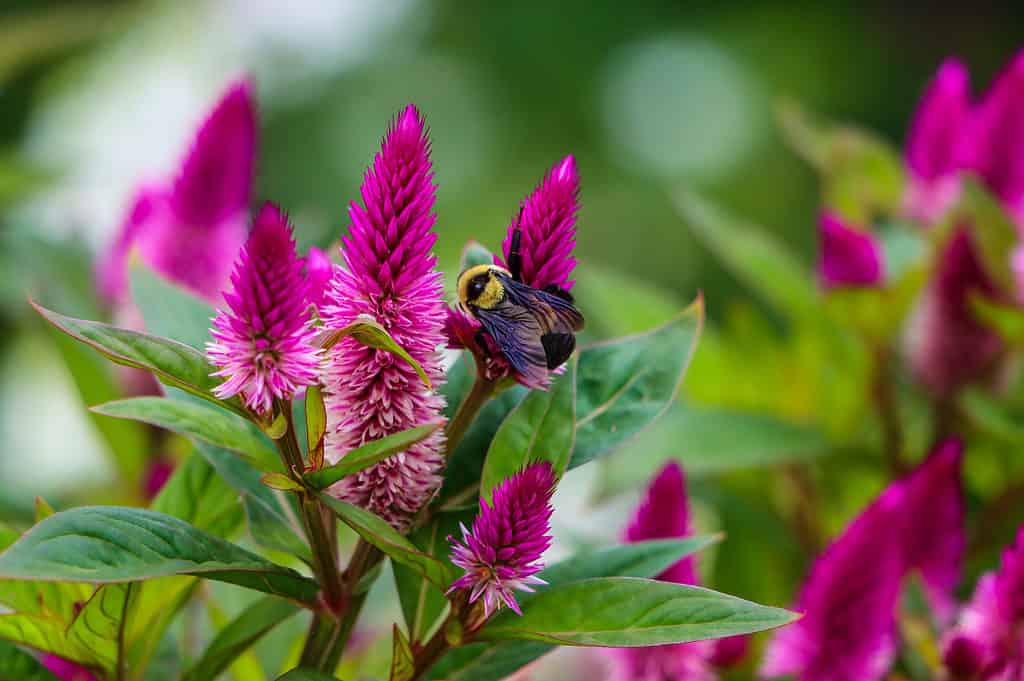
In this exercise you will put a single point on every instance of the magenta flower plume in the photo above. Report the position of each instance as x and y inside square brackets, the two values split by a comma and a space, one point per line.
[933, 143]
[993, 145]
[988, 642]
[190, 229]
[391, 276]
[503, 551]
[263, 343]
[65, 670]
[848, 601]
[947, 346]
[847, 257]
[319, 272]
[664, 513]
[548, 222]
[934, 538]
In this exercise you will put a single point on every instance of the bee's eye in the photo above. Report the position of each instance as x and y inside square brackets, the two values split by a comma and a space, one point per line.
[476, 287]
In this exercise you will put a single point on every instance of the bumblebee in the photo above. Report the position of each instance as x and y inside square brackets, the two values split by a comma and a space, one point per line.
[534, 328]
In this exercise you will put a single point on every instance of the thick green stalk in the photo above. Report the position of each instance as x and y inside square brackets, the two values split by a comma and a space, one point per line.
[471, 405]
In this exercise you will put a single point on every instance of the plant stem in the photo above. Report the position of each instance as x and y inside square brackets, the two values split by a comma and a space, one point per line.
[426, 656]
[481, 391]
[887, 407]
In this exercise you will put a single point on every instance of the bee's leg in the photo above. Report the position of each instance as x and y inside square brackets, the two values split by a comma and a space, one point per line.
[515, 260]
[481, 342]
[556, 290]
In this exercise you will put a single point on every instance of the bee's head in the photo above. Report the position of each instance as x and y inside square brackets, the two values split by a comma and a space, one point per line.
[479, 286]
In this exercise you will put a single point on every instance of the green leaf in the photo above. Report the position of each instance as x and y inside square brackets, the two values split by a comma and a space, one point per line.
[378, 532]
[863, 175]
[281, 482]
[272, 522]
[174, 363]
[198, 420]
[43, 509]
[618, 303]
[168, 309]
[316, 425]
[102, 544]
[1006, 320]
[541, 428]
[305, 675]
[993, 230]
[493, 661]
[239, 635]
[403, 666]
[753, 256]
[628, 611]
[371, 334]
[17, 665]
[465, 464]
[474, 253]
[45, 634]
[369, 454]
[98, 627]
[710, 440]
[624, 385]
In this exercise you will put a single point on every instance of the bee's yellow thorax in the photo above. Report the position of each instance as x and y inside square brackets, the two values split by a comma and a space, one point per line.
[491, 295]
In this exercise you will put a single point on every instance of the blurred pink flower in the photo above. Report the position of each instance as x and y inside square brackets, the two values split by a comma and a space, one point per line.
[946, 345]
[64, 670]
[847, 257]
[190, 229]
[263, 342]
[848, 601]
[503, 551]
[988, 642]
[664, 513]
[391, 276]
[933, 142]
[319, 271]
[158, 471]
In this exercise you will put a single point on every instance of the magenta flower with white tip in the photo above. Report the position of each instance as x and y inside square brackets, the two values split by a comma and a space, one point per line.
[263, 342]
[190, 228]
[503, 551]
[389, 275]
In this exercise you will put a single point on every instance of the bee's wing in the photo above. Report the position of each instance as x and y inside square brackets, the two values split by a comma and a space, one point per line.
[535, 329]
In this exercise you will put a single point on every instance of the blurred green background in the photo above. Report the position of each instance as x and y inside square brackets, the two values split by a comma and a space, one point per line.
[651, 97]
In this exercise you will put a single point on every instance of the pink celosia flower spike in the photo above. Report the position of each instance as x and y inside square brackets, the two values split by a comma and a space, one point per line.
[64, 670]
[947, 346]
[390, 275]
[993, 145]
[190, 229]
[664, 513]
[848, 601]
[319, 271]
[548, 222]
[263, 343]
[504, 549]
[934, 540]
[933, 143]
[847, 257]
[988, 643]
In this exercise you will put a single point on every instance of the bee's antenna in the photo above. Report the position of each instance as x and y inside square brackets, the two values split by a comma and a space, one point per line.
[515, 260]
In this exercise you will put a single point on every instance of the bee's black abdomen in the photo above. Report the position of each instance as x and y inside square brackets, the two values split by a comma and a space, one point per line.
[556, 290]
[558, 347]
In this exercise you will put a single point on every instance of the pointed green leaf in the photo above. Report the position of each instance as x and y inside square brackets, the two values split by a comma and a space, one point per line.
[168, 309]
[101, 544]
[280, 482]
[239, 635]
[371, 334]
[624, 385]
[43, 509]
[199, 420]
[378, 532]
[99, 626]
[403, 665]
[44, 634]
[992, 228]
[305, 675]
[628, 611]
[17, 665]
[541, 428]
[316, 426]
[369, 454]
[174, 363]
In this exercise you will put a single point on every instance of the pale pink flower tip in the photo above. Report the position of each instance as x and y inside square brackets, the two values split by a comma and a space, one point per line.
[389, 275]
[548, 221]
[263, 343]
[503, 551]
[190, 228]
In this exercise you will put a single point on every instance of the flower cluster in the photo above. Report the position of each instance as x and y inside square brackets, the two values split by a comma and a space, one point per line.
[390, 275]
[547, 223]
[503, 551]
[263, 344]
